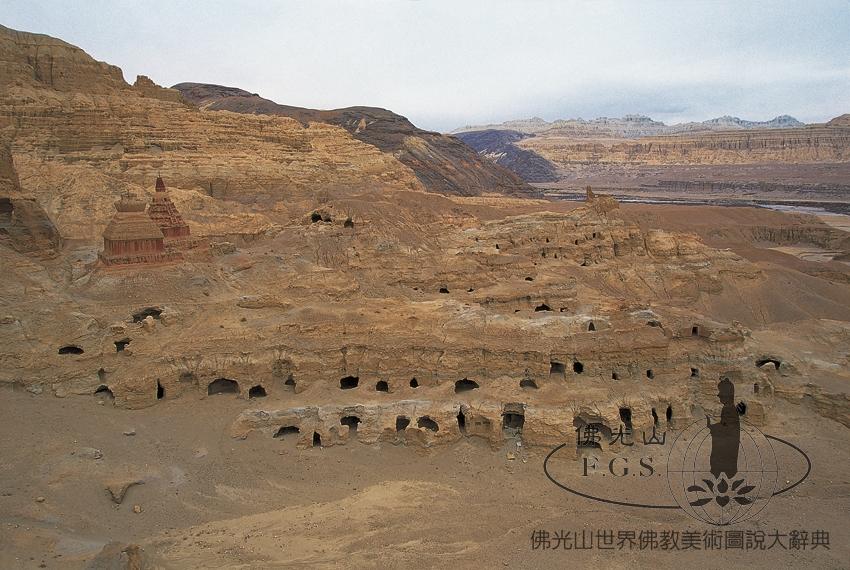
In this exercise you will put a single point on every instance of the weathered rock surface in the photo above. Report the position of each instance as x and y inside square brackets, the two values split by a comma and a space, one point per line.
[23, 223]
[369, 309]
[81, 136]
[442, 163]
[498, 146]
[829, 142]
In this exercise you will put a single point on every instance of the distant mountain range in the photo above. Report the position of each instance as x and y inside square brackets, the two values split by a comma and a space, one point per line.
[629, 126]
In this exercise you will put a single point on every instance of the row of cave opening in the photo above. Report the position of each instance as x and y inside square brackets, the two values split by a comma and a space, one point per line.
[512, 423]
[560, 369]
[625, 414]
[227, 386]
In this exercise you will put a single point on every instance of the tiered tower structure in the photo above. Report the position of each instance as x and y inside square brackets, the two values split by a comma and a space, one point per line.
[132, 237]
[166, 215]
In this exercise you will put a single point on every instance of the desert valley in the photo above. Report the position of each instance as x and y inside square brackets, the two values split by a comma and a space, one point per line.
[242, 334]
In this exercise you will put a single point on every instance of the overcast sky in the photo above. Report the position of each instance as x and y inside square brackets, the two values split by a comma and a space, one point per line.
[449, 63]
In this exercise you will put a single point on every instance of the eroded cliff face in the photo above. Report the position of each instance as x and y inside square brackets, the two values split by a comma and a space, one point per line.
[442, 163]
[828, 142]
[76, 121]
[23, 223]
[415, 320]
[355, 305]
[499, 146]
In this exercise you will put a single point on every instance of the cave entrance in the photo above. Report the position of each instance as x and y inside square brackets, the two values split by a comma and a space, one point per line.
[222, 386]
[103, 391]
[528, 384]
[141, 315]
[160, 391]
[284, 431]
[650, 374]
[654, 417]
[591, 327]
[427, 423]
[120, 345]
[349, 382]
[512, 422]
[695, 330]
[414, 383]
[317, 439]
[626, 418]
[465, 385]
[401, 423]
[444, 290]
[762, 362]
[669, 414]
[352, 423]
[557, 368]
[382, 386]
[542, 307]
[71, 349]
[461, 421]
[290, 383]
[256, 392]
[694, 372]
[578, 367]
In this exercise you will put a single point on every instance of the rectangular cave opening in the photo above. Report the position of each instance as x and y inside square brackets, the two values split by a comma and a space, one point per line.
[285, 431]
[427, 423]
[352, 422]
[626, 418]
[142, 314]
[401, 423]
[349, 382]
[222, 386]
[513, 421]
[461, 421]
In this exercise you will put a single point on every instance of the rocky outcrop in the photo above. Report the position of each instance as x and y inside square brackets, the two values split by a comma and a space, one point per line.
[442, 163]
[27, 58]
[498, 146]
[147, 88]
[83, 136]
[23, 223]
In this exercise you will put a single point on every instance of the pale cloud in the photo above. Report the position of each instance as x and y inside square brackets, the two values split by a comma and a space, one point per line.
[453, 62]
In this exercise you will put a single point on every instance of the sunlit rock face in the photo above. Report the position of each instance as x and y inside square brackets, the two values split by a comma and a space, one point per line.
[342, 301]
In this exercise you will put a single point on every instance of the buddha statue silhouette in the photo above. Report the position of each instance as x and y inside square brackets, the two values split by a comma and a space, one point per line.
[725, 434]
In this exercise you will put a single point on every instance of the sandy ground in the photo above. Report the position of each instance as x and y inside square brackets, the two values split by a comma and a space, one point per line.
[209, 501]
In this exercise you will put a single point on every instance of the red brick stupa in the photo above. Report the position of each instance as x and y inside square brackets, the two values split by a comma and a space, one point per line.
[167, 216]
[132, 237]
